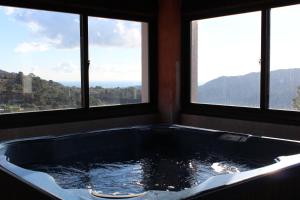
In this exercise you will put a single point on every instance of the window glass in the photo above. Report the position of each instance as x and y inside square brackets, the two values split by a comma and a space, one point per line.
[39, 60]
[225, 60]
[285, 59]
[118, 53]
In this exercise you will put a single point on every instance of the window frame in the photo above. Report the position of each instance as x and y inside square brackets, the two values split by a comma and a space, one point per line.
[261, 114]
[35, 118]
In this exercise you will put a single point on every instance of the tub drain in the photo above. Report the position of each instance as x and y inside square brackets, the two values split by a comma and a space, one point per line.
[110, 196]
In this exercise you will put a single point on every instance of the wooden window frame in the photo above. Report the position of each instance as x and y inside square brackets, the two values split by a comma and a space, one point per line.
[15, 120]
[261, 114]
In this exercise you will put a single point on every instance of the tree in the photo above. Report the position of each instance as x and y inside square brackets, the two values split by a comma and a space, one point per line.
[47, 95]
[296, 100]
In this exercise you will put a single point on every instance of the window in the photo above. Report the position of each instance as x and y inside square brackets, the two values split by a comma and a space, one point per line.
[41, 68]
[225, 60]
[285, 59]
[39, 60]
[244, 66]
[118, 53]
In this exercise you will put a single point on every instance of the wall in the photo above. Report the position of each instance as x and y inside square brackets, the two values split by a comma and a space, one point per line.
[249, 127]
[169, 29]
[76, 127]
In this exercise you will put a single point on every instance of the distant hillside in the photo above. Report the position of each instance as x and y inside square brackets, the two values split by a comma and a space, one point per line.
[19, 92]
[244, 90]
[3, 73]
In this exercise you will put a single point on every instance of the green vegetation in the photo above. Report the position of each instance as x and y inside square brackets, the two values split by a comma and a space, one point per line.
[296, 100]
[21, 93]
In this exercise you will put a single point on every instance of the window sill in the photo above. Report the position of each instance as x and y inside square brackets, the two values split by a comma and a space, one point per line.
[244, 113]
[16, 120]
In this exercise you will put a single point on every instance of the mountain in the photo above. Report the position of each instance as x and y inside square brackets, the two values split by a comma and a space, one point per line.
[245, 90]
[19, 92]
[3, 73]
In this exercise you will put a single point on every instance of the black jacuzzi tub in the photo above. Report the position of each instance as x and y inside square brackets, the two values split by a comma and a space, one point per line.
[154, 162]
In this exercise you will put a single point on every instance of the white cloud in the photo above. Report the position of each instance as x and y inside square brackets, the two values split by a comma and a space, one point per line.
[66, 67]
[26, 47]
[49, 26]
[9, 10]
[44, 44]
[64, 70]
[131, 35]
[108, 72]
[34, 27]
[105, 32]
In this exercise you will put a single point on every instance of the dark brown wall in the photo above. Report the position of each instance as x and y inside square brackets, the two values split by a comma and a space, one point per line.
[190, 7]
[169, 24]
[134, 9]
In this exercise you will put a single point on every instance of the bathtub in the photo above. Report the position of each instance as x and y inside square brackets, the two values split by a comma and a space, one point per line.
[150, 162]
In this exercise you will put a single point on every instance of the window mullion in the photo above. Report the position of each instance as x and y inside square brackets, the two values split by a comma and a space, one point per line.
[84, 61]
[265, 60]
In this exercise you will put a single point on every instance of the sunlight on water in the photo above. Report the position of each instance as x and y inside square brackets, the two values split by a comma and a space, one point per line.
[149, 173]
[221, 167]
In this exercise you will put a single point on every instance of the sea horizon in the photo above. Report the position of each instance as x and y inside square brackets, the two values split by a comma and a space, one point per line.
[104, 84]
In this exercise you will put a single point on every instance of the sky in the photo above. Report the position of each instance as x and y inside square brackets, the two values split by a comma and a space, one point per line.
[47, 44]
[230, 45]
